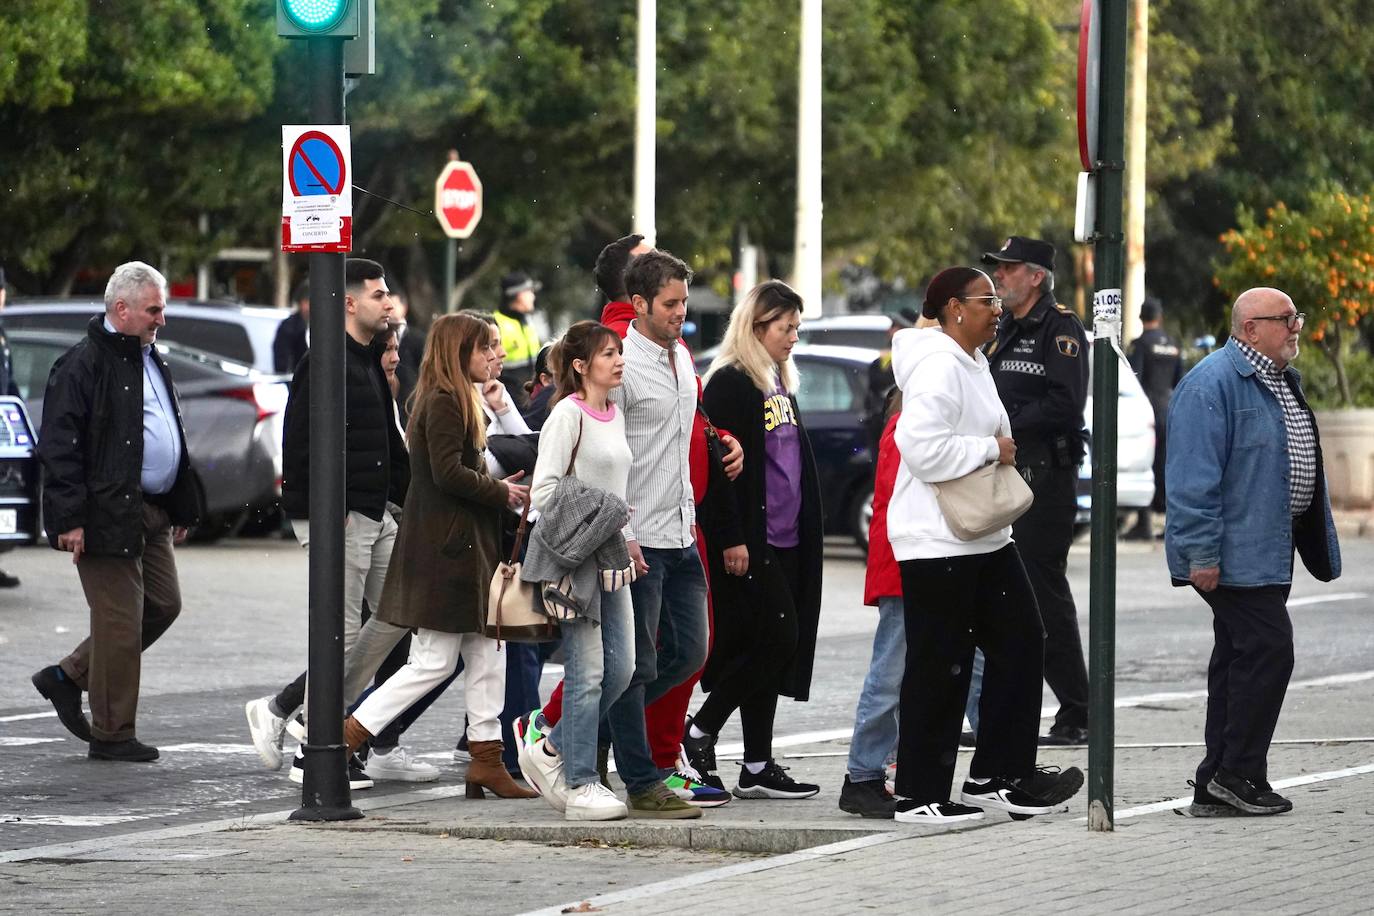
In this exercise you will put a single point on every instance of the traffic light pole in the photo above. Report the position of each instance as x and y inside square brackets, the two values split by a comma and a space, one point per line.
[1109, 271]
[324, 794]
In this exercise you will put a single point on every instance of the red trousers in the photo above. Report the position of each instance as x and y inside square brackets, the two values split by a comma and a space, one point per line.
[666, 716]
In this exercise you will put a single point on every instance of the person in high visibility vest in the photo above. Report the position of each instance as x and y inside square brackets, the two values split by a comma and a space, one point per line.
[519, 340]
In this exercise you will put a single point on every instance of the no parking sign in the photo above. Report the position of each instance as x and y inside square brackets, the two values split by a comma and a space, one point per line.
[317, 188]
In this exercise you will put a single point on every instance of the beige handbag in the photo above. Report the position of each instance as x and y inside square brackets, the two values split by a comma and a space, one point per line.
[984, 500]
[513, 611]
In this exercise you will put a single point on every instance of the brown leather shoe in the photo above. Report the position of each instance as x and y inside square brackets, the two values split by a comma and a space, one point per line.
[355, 736]
[486, 771]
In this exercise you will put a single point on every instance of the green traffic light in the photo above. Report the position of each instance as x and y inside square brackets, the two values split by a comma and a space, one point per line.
[315, 15]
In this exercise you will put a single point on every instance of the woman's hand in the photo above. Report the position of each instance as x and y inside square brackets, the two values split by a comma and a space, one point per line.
[737, 560]
[516, 494]
[1006, 450]
[494, 393]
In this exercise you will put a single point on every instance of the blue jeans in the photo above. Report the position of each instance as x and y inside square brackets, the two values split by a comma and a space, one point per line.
[670, 646]
[975, 692]
[598, 662]
[875, 721]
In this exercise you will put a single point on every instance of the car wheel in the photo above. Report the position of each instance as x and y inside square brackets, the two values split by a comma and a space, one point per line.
[216, 527]
[861, 515]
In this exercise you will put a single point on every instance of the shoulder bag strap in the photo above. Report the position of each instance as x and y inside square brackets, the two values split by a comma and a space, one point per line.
[520, 532]
[572, 459]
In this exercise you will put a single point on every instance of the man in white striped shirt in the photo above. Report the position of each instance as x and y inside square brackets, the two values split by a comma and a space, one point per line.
[658, 398]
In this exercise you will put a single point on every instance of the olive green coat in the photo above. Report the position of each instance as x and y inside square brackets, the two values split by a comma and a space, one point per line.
[450, 535]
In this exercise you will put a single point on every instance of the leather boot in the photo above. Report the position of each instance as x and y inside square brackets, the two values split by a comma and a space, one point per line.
[486, 771]
[355, 736]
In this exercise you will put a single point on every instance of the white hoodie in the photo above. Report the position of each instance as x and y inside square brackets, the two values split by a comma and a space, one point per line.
[950, 418]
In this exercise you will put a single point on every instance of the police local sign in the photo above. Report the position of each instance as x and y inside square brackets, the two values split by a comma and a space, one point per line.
[458, 199]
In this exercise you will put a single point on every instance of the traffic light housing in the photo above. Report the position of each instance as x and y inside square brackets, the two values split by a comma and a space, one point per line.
[318, 18]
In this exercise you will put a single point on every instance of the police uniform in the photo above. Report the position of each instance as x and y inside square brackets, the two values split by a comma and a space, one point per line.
[519, 340]
[1040, 365]
[1158, 362]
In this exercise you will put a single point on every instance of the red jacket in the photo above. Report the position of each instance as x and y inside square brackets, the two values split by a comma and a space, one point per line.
[883, 579]
[617, 316]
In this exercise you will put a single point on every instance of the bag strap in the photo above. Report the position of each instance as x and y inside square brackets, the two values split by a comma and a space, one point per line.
[572, 459]
[520, 532]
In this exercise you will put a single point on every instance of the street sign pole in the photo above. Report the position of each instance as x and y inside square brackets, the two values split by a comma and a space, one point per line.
[324, 793]
[1109, 273]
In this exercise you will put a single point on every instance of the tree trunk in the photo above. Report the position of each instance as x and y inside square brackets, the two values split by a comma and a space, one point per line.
[1335, 352]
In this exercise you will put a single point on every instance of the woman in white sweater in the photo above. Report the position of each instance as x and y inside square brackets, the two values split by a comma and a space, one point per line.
[584, 436]
[960, 594]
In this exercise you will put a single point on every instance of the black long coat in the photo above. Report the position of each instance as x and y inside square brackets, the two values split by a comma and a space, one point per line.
[738, 514]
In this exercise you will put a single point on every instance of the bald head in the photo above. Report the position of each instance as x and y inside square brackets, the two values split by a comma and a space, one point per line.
[1261, 317]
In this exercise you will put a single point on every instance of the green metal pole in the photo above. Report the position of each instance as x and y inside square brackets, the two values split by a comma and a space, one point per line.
[1109, 271]
[450, 272]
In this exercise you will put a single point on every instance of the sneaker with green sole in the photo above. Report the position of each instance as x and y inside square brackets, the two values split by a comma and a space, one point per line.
[658, 801]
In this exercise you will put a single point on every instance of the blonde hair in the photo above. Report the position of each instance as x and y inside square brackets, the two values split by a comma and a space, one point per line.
[742, 348]
[444, 370]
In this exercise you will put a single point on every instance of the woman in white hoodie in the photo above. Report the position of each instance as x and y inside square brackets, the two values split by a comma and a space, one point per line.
[960, 594]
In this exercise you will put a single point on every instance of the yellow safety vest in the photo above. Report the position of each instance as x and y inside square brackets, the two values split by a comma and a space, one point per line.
[519, 340]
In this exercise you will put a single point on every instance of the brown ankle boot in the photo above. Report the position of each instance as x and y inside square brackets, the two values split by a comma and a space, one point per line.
[486, 771]
[354, 734]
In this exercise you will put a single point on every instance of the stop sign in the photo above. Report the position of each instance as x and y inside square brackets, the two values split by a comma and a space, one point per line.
[458, 199]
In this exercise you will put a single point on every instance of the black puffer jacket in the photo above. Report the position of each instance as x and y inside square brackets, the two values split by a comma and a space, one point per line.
[91, 446]
[376, 463]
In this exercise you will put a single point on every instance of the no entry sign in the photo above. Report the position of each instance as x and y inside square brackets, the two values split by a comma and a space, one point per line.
[458, 199]
[317, 188]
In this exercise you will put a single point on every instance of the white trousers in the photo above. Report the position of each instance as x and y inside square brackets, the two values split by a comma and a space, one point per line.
[433, 657]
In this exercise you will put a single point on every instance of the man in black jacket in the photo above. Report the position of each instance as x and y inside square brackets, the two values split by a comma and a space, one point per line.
[1040, 364]
[1157, 361]
[118, 493]
[293, 334]
[378, 473]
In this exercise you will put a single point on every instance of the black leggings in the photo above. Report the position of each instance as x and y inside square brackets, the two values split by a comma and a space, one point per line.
[749, 681]
[953, 604]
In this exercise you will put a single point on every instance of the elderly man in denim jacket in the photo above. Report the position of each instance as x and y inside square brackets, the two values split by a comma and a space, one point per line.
[1245, 486]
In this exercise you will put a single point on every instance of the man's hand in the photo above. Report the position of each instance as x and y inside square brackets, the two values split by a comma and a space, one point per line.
[734, 456]
[75, 541]
[179, 534]
[494, 393]
[637, 558]
[1206, 580]
[737, 560]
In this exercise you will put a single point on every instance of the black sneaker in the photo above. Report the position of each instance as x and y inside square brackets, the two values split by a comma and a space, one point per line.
[772, 782]
[1065, 736]
[1244, 795]
[357, 778]
[1003, 794]
[1050, 785]
[968, 739]
[130, 750]
[867, 798]
[701, 754]
[935, 814]
[65, 697]
[1205, 804]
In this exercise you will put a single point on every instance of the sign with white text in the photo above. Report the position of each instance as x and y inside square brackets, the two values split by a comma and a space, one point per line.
[317, 188]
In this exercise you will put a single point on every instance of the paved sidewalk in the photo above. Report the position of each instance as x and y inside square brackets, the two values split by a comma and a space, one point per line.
[431, 851]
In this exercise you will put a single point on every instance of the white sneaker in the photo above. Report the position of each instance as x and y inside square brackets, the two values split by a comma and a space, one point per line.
[594, 802]
[545, 773]
[936, 814]
[266, 729]
[295, 727]
[399, 765]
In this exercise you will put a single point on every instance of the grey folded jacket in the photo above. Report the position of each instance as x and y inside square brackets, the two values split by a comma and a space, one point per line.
[579, 534]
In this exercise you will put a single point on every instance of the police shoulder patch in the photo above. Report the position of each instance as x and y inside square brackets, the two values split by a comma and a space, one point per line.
[1067, 345]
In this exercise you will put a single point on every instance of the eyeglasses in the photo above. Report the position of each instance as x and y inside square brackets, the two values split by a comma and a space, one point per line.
[993, 301]
[1293, 321]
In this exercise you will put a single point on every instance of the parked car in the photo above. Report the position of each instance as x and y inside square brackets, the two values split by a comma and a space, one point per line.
[242, 333]
[847, 331]
[233, 416]
[19, 476]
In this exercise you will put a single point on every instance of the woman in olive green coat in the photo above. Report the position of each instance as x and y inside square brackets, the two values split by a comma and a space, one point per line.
[446, 552]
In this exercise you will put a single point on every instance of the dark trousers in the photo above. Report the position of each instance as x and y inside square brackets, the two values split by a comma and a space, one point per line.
[1043, 536]
[749, 681]
[952, 605]
[1247, 678]
[133, 601]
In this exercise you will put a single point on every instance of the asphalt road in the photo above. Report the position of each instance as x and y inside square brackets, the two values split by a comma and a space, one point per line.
[243, 633]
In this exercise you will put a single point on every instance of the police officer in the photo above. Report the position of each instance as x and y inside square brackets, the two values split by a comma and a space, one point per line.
[1040, 364]
[518, 339]
[1158, 362]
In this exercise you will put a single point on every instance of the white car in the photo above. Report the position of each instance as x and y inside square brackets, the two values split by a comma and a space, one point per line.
[1135, 446]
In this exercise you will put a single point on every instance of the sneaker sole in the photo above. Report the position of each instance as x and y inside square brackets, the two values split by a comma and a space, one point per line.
[996, 801]
[672, 814]
[925, 820]
[870, 815]
[585, 814]
[1197, 810]
[708, 803]
[766, 793]
[268, 751]
[403, 777]
[1236, 801]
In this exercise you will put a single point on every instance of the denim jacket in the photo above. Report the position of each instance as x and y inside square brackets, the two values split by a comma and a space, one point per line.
[1227, 481]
